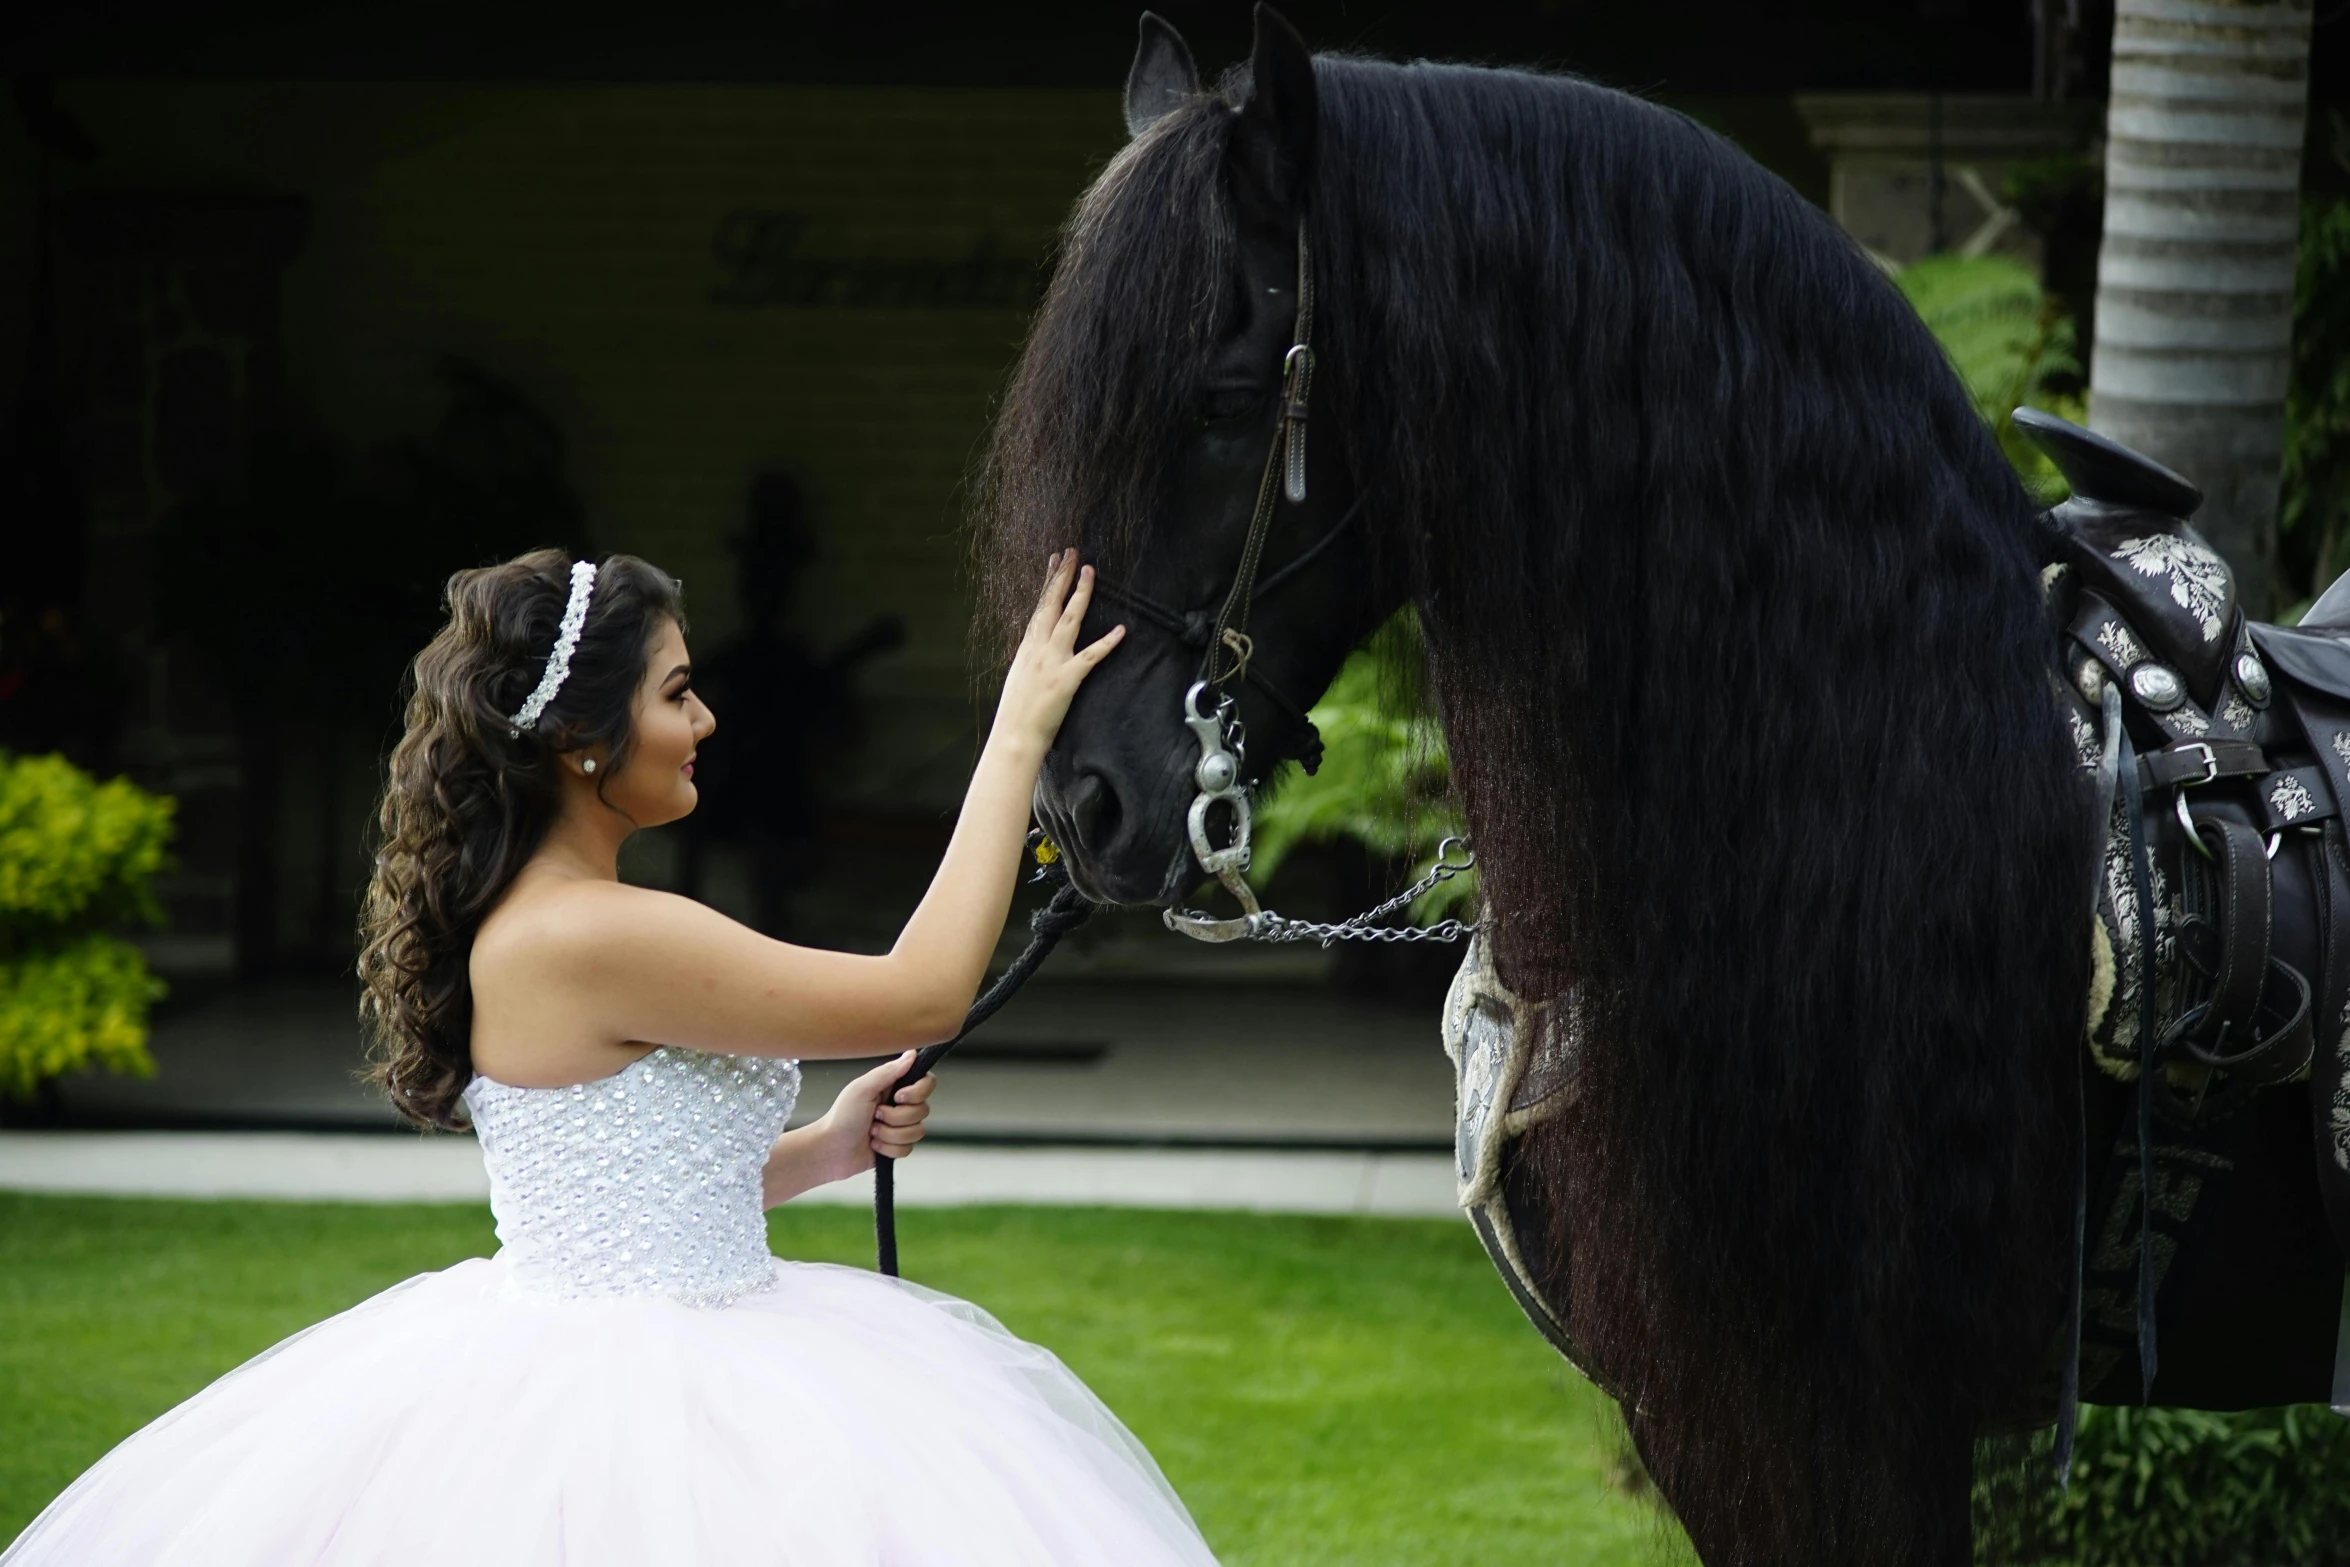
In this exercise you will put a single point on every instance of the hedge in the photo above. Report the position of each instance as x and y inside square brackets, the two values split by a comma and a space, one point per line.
[78, 860]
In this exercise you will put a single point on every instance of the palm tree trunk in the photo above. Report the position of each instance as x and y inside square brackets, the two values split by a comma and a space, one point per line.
[2195, 280]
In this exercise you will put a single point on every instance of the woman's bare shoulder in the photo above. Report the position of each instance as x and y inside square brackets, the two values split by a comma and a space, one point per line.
[574, 959]
[535, 1024]
[560, 924]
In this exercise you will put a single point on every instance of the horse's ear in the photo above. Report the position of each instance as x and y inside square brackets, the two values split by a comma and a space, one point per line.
[1162, 75]
[1273, 145]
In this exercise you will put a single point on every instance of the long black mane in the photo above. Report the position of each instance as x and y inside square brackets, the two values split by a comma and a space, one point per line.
[1734, 622]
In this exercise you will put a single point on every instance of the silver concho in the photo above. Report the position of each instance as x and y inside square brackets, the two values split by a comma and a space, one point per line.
[2252, 677]
[2091, 680]
[2157, 687]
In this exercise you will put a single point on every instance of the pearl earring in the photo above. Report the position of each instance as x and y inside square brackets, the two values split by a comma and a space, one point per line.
[588, 766]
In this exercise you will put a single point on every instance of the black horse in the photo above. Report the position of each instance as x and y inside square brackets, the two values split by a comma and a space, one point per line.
[1734, 618]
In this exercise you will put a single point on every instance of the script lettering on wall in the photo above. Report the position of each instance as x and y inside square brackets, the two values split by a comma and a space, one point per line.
[763, 265]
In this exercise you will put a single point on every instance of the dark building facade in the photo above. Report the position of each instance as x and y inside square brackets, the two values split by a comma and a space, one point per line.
[300, 308]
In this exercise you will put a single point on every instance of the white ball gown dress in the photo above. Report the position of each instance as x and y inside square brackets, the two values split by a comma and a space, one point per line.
[633, 1379]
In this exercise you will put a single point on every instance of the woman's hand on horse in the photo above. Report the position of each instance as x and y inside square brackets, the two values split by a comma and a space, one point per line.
[634, 964]
[1049, 667]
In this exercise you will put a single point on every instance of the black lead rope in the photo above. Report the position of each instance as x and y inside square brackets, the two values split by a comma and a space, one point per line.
[1068, 909]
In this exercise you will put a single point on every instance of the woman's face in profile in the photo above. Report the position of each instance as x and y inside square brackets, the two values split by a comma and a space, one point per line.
[657, 784]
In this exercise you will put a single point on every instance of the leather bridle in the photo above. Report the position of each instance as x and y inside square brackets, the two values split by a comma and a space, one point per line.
[1227, 657]
[1225, 648]
[1196, 628]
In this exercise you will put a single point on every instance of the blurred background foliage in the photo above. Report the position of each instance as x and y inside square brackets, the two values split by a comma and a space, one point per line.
[2313, 513]
[1385, 780]
[2172, 1488]
[2010, 341]
[78, 860]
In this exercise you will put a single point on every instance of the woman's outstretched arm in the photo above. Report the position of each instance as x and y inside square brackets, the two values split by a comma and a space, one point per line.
[654, 968]
[953, 931]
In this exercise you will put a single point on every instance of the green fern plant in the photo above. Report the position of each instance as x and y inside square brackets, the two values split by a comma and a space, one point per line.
[2008, 342]
[1385, 778]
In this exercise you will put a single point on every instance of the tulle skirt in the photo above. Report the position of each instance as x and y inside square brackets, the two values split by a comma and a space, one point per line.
[838, 1417]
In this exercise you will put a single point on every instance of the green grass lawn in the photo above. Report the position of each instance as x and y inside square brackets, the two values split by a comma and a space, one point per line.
[1320, 1390]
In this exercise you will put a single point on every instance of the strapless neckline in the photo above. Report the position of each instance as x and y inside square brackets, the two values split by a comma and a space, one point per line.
[557, 1088]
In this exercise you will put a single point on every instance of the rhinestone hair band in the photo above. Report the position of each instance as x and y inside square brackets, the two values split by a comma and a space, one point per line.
[583, 584]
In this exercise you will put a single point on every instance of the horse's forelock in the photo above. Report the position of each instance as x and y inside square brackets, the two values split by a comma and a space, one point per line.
[1106, 387]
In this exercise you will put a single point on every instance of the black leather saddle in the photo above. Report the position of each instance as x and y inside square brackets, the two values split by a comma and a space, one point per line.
[2220, 747]
[2224, 894]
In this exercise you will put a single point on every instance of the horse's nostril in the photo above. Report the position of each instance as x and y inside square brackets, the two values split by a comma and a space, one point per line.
[1094, 810]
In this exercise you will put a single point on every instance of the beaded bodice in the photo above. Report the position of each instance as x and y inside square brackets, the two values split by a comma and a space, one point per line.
[646, 1182]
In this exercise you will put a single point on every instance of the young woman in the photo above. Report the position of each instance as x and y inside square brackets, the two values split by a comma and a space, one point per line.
[633, 1379]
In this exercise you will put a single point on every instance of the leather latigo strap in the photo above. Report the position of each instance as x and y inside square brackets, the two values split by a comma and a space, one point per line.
[2330, 876]
[2325, 720]
[2313, 669]
[2193, 763]
[2225, 931]
[2254, 1024]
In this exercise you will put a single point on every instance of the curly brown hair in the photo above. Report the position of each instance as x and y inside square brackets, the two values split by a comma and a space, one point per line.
[467, 801]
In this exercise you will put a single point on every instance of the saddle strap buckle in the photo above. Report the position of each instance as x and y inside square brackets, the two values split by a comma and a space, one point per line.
[2178, 794]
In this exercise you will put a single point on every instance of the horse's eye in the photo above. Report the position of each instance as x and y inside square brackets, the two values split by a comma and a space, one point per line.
[1228, 402]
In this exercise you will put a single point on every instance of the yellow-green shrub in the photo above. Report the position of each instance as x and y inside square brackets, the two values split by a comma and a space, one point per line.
[77, 861]
[83, 1004]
